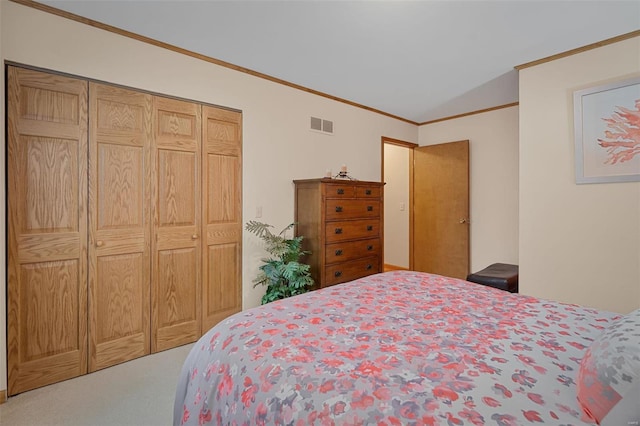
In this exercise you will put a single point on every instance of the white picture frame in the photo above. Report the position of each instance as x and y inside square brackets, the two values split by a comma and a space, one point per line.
[607, 132]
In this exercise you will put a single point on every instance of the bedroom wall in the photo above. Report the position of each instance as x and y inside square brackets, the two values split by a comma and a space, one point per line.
[578, 243]
[493, 164]
[277, 145]
[396, 192]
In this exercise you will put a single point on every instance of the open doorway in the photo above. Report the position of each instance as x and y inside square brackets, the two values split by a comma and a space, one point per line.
[426, 207]
[397, 162]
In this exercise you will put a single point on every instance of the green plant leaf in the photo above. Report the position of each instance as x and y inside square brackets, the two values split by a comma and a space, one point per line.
[282, 273]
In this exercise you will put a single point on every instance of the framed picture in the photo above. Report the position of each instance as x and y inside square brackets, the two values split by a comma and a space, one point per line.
[607, 132]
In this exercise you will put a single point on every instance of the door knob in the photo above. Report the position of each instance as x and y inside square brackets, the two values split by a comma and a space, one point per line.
[463, 220]
[99, 243]
[194, 237]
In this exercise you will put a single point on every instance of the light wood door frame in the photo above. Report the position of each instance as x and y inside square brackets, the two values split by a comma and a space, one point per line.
[410, 146]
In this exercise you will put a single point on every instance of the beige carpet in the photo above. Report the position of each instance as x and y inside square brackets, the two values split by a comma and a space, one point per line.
[138, 392]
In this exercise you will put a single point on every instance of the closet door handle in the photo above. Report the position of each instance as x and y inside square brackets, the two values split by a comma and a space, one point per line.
[338, 209]
[194, 237]
[99, 243]
[338, 230]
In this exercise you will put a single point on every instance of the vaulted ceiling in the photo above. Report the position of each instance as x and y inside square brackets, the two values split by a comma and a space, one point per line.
[417, 60]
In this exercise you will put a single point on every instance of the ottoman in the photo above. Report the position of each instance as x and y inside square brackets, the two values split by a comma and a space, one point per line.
[499, 275]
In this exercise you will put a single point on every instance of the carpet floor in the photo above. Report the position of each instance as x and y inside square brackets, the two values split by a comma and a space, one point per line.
[136, 393]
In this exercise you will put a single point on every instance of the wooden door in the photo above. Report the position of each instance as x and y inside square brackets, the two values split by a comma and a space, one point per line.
[47, 229]
[176, 250]
[441, 209]
[222, 215]
[119, 240]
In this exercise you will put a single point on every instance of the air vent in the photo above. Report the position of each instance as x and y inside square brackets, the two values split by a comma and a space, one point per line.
[316, 123]
[321, 125]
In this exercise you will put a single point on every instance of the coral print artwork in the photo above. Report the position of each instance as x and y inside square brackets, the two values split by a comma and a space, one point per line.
[607, 130]
[622, 137]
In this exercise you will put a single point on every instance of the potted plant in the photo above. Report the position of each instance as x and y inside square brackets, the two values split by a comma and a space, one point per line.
[282, 272]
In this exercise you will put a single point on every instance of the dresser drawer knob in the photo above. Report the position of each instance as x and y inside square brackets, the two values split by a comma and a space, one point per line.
[337, 274]
[367, 191]
[338, 231]
[369, 267]
[369, 228]
[369, 247]
[338, 209]
[369, 208]
[339, 252]
[340, 191]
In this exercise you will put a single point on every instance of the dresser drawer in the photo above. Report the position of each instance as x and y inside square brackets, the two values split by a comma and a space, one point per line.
[351, 230]
[347, 271]
[368, 191]
[351, 209]
[341, 252]
[340, 190]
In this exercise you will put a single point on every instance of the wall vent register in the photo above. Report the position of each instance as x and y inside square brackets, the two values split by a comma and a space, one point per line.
[321, 125]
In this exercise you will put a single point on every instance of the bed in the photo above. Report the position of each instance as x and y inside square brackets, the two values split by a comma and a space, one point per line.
[410, 348]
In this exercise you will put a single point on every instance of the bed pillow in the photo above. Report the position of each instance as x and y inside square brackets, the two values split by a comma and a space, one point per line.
[608, 381]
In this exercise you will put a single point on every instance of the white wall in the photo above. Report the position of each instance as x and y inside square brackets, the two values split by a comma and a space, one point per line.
[277, 145]
[578, 243]
[396, 193]
[493, 176]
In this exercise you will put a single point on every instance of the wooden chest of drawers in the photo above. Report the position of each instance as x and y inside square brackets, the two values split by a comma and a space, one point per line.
[341, 221]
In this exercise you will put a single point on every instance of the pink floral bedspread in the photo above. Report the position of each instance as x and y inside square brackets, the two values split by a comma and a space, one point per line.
[399, 348]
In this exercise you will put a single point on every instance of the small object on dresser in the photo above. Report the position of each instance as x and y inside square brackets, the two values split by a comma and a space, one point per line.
[502, 276]
[343, 174]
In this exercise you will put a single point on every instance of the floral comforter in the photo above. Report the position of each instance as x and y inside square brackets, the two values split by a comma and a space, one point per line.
[398, 348]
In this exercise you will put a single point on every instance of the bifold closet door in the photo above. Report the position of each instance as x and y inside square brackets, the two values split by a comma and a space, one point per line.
[47, 228]
[120, 226]
[222, 213]
[176, 249]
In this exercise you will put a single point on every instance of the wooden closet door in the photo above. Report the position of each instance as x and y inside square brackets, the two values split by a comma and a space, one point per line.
[176, 250]
[47, 229]
[222, 213]
[119, 198]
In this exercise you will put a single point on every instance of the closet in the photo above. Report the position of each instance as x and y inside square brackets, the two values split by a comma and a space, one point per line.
[124, 224]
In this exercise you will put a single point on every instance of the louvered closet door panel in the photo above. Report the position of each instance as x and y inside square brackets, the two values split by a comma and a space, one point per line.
[222, 215]
[176, 249]
[119, 249]
[47, 228]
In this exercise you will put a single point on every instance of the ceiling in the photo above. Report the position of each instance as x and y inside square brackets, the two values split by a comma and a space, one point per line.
[417, 60]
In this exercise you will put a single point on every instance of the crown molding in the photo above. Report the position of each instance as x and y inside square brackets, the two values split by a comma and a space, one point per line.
[480, 111]
[591, 46]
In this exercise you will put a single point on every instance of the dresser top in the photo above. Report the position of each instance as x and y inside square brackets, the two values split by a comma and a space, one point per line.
[337, 181]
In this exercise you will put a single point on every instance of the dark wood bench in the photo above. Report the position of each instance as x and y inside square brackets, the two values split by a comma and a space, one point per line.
[499, 275]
